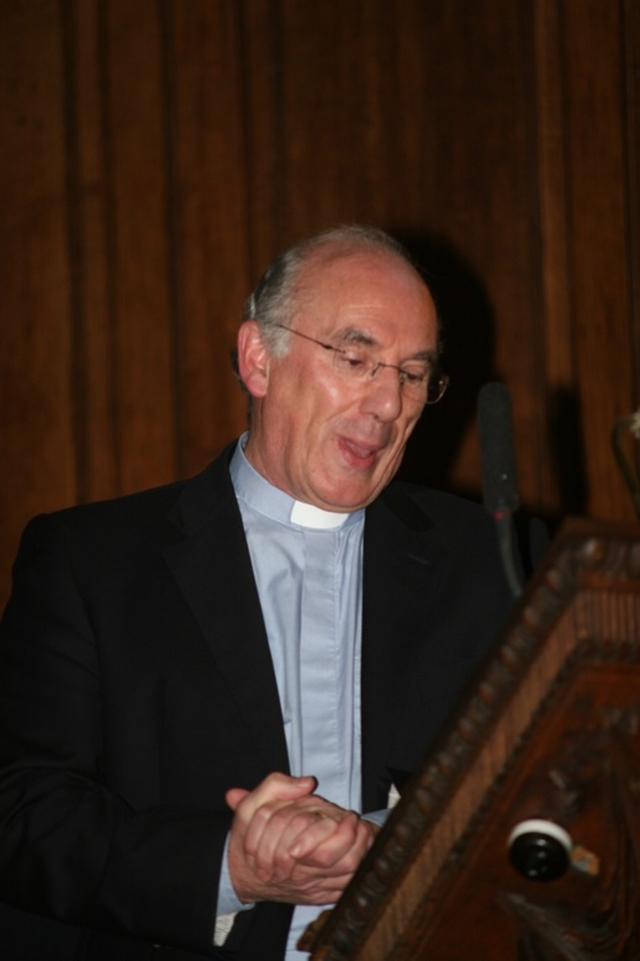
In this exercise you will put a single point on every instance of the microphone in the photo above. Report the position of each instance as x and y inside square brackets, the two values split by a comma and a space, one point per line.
[499, 478]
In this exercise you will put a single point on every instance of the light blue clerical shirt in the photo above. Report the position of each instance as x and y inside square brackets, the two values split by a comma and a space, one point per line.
[308, 568]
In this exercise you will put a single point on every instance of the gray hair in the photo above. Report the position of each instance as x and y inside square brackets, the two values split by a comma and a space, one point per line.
[276, 297]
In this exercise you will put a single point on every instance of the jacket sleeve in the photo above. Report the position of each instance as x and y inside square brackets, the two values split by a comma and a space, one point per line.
[71, 847]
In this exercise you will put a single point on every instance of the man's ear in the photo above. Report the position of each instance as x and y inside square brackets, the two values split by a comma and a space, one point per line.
[253, 359]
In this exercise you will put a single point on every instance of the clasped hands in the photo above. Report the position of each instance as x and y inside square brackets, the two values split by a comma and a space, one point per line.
[288, 844]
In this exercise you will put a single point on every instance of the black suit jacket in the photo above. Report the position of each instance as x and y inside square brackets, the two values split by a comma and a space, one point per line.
[136, 686]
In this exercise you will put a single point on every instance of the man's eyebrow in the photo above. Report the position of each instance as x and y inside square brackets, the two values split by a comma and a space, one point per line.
[355, 335]
[430, 356]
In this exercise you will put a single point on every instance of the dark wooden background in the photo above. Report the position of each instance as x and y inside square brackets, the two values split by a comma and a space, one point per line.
[155, 154]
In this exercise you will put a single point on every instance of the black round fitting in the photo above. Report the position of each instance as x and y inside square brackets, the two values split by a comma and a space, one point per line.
[540, 850]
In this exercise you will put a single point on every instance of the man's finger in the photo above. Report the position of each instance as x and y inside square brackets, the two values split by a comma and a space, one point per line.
[274, 787]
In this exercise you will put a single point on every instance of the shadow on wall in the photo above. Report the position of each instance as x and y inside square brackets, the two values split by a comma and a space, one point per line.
[468, 342]
[567, 450]
[468, 333]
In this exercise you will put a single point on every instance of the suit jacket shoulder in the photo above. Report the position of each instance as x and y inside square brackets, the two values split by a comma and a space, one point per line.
[124, 686]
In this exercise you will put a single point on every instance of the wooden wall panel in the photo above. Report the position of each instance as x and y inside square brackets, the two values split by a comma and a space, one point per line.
[587, 216]
[630, 41]
[388, 113]
[37, 426]
[266, 178]
[156, 155]
[599, 222]
[211, 227]
[120, 312]
[142, 318]
[90, 250]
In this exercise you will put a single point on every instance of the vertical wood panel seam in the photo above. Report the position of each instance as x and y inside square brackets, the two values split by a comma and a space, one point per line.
[630, 46]
[579, 443]
[170, 132]
[554, 305]
[534, 206]
[566, 172]
[72, 197]
[277, 186]
[602, 483]
[279, 86]
[249, 149]
[252, 153]
[110, 238]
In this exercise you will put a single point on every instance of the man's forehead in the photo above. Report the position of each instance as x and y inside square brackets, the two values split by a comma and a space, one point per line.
[346, 277]
[338, 257]
[355, 292]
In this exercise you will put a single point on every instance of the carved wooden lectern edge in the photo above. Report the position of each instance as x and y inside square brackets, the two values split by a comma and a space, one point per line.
[582, 555]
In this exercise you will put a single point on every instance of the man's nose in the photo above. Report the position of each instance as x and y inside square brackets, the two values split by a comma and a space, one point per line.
[383, 394]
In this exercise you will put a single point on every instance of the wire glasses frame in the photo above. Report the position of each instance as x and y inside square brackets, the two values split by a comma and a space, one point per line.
[423, 385]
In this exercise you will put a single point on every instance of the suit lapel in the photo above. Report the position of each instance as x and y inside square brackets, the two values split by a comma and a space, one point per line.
[212, 567]
[399, 580]
[399, 577]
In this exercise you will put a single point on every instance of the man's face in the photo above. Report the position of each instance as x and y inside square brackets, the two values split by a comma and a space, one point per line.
[325, 439]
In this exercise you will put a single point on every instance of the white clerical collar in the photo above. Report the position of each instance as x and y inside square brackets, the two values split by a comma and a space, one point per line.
[306, 515]
[262, 496]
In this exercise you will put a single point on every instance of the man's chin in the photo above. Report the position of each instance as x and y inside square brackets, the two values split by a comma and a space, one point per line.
[348, 500]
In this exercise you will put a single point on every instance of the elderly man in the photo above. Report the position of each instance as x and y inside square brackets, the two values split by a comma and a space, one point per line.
[210, 691]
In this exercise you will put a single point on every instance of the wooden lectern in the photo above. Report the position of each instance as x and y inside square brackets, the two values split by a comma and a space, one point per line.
[549, 734]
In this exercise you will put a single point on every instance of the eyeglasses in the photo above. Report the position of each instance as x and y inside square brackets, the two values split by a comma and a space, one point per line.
[354, 363]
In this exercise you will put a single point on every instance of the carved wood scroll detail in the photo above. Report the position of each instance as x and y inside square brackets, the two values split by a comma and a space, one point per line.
[608, 925]
[562, 687]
